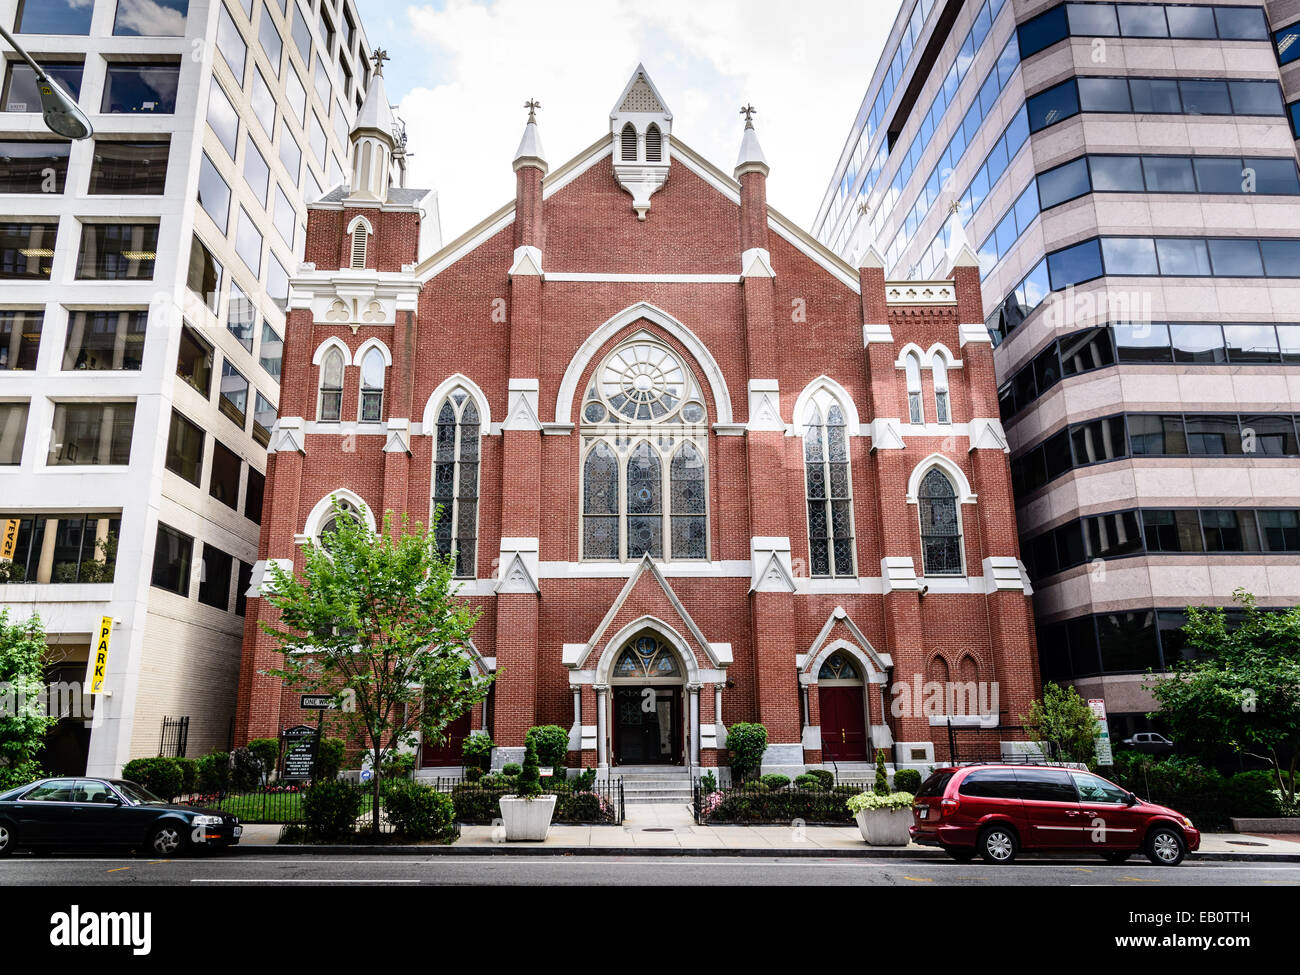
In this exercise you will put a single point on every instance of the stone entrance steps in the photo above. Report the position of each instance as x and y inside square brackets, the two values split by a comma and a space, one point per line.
[655, 784]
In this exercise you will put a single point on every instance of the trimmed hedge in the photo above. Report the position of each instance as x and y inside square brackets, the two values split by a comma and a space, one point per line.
[330, 810]
[418, 812]
[907, 780]
[162, 776]
[747, 805]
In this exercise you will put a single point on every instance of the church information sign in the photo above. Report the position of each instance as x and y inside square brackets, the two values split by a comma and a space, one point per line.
[299, 753]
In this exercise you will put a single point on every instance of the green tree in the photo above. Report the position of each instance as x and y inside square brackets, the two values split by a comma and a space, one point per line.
[1063, 719]
[375, 614]
[1242, 690]
[23, 721]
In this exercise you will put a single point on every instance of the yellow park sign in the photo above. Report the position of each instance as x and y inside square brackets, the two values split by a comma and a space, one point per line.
[101, 655]
[8, 539]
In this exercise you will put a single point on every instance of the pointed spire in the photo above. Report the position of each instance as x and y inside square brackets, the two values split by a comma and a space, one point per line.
[751, 158]
[960, 252]
[530, 152]
[375, 113]
[868, 255]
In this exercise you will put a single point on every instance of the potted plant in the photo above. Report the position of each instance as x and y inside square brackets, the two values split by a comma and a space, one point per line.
[527, 813]
[883, 819]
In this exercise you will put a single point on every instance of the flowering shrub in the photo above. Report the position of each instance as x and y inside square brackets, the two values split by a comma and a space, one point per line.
[875, 800]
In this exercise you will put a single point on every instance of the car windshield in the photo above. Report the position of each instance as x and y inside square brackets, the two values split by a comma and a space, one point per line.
[136, 793]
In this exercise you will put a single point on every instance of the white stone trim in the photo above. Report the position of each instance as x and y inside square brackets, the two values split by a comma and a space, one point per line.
[352, 225]
[897, 572]
[399, 436]
[886, 433]
[756, 263]
[852, 422]
[974, 333]
[926, 357]
[765, 405]
[518, 566]
[318, 515]
[964, 493]
[642, 309]
[875, 664]
[333, 342]
[876, 332]
[429, 422]
[527, 260]
[772, 567]
[986, 433]
[521, 413]
[920, 293]
[366, 346]
[1006, 572]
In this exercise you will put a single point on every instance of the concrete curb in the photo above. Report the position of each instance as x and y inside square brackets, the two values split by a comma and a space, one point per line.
[510, 849]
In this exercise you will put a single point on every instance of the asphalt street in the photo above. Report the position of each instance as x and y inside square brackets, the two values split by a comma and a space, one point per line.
[560, 871]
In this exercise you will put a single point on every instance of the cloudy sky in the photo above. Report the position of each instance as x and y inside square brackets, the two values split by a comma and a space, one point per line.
[461, 71]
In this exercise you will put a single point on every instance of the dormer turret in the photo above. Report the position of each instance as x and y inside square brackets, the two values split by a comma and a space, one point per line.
[640, 126]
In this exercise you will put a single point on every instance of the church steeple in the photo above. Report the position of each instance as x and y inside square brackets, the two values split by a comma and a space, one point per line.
[374, 139]
[530, 152]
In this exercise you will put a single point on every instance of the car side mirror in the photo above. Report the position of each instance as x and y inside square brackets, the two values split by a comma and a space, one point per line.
[1132, 799]
[111, 800]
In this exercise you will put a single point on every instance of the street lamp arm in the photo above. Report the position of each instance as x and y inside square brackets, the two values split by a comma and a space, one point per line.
[59, 109]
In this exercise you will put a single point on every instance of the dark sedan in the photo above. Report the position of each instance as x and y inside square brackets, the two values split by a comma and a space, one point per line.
[76, 813]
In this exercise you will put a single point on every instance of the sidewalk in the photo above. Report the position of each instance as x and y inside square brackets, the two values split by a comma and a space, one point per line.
[668, 829]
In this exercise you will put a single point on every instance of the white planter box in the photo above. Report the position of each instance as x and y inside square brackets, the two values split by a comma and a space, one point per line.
[527, 819]
[885, 827]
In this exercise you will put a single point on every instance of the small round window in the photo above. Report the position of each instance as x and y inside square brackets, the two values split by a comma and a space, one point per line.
[693, 412]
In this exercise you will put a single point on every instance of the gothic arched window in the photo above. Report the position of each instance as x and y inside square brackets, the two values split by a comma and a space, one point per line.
[940, 529]
[331, 386]
[346, 509]
[455, 478]
[644, 470]
[939, 370]
[828, 485]
[912, 370]
[372, 387]
[839, 666]
[646, 657]
[628, 143]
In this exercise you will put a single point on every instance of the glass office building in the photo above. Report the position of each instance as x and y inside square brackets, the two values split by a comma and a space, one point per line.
[1126, 174]
[144, 276]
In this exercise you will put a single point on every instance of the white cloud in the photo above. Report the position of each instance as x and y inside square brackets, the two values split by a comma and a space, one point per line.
[805, 66]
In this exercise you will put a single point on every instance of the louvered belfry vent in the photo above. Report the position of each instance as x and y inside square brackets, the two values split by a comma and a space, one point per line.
[629, 143]
[654, 145]
[359, 245]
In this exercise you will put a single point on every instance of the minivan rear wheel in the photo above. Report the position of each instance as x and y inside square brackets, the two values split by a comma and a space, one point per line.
[1165, 847]
[997, 844]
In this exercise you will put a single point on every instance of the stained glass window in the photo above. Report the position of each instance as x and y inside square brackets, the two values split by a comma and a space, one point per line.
[647, 657]
[644, 473]
[940, 533]
[455, 479]
[600, 504]
[828, 484]
[346, 510]
[838, 667]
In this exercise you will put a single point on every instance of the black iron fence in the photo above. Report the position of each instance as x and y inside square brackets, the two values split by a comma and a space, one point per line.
[601, 803]
[175, 737]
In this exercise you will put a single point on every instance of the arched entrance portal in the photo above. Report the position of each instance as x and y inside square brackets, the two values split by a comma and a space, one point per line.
[842, 702]
[646, 683]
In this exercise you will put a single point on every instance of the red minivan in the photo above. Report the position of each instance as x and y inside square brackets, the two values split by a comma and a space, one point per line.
[998, 810]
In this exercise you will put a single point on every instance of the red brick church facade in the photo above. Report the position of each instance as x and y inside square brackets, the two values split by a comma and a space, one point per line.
[695, 469]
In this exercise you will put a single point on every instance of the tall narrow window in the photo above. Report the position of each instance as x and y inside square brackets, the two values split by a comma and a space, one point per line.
[912, 369]
[372, 387]
[829, 492]
[359, 237]
[654, 145]
[940, 372]
[600, 504]
[644, 503]
[688, 486]
[331, 387]
[455, 479]
[628, 143]
[940, 532]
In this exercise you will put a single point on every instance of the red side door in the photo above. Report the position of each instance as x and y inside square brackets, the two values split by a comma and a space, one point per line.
[844, 730]
[448, 751]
